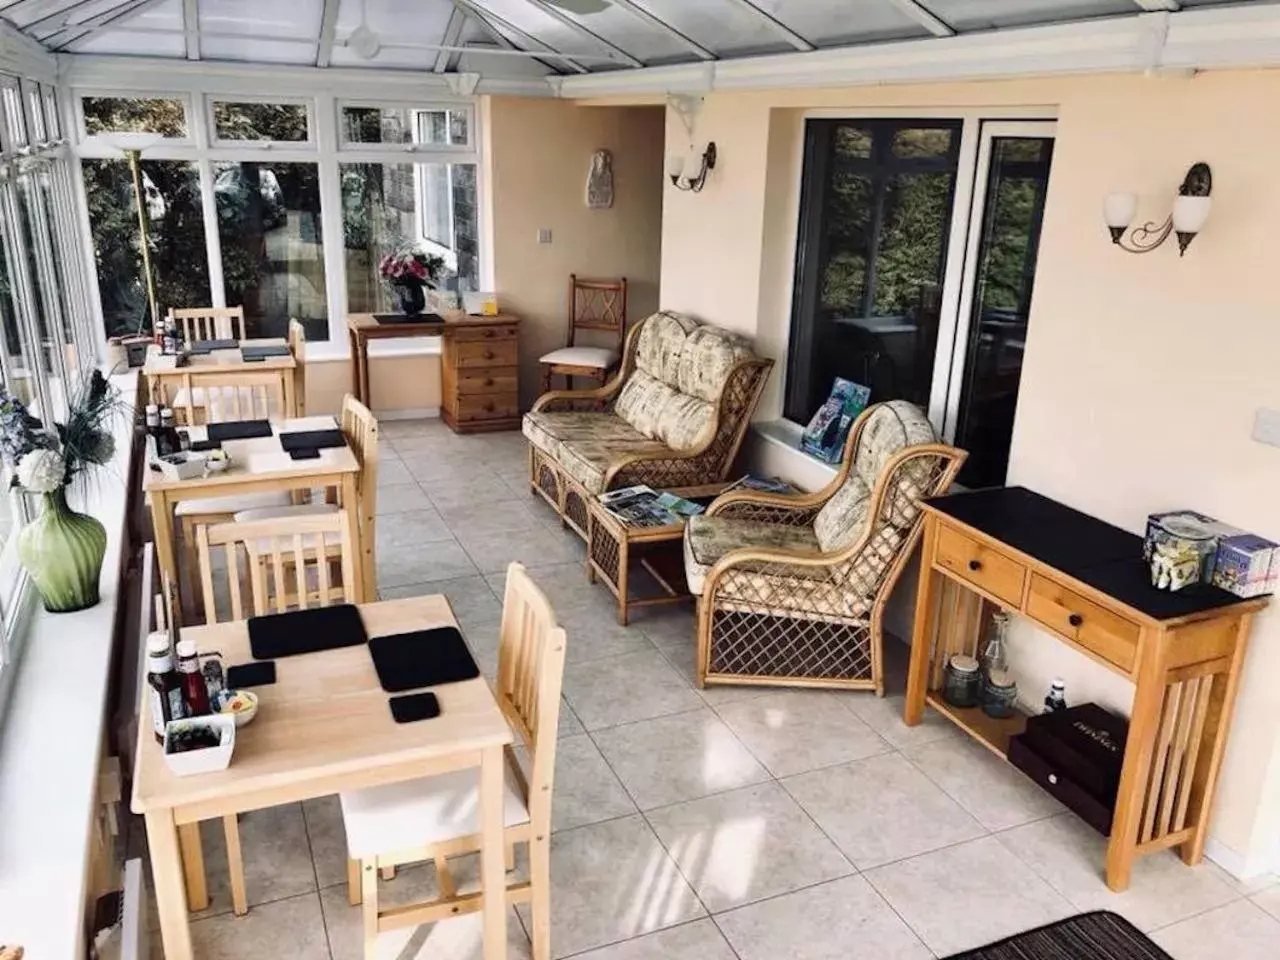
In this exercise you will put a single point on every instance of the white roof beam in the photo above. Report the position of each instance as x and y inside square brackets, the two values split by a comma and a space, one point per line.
[687, 42]
[78, 32]
[452, 34]
[57, 17]
[586, 33]
[496, 26]
[328, 32]
[776, 25]
[191, 27]
[1157, 6]
[918, 12]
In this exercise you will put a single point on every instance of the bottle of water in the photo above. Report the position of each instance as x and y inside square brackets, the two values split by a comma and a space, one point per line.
[1056, 701]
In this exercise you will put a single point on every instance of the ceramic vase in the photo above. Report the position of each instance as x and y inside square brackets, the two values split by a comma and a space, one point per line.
[62, 550]
[411, 298]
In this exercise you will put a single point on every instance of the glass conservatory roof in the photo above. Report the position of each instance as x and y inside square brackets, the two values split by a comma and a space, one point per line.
[524, 37]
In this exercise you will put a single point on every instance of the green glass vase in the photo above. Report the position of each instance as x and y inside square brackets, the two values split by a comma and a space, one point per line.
[62, 551]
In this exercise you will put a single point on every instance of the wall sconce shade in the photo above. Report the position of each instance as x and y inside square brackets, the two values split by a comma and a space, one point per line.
[675, 170]
[1190, 211]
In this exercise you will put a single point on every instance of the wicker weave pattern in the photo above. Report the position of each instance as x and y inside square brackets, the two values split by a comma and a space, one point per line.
[815, 617]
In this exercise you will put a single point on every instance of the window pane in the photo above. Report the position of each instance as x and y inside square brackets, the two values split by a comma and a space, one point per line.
[35, 111]
[272, 256]
[387, 206]
[15, 121]
[134, 115]
[442, 127]
[875, 217]
[52, 119]
[17, 347]
[1016, 188]
[45, 288]
[260, 121]
[175, 227]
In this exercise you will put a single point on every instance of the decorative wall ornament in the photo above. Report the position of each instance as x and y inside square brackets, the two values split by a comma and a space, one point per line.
[600, 181]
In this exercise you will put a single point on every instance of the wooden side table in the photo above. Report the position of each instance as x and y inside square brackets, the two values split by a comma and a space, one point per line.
[479, 370]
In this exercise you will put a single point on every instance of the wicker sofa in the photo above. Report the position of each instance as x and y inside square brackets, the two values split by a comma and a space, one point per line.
[792, 588]
[673, 417]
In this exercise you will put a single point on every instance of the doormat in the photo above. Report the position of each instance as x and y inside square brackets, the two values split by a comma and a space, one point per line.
[1090, 936]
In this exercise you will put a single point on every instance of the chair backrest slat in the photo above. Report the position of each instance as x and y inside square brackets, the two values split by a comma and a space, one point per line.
[209, 323]
[597, 305]
[298, 347]
[360, 427]
[287, 561]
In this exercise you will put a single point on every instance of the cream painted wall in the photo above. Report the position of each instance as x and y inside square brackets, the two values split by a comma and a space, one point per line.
[1142, 373]
[537, 153]
[397, 384]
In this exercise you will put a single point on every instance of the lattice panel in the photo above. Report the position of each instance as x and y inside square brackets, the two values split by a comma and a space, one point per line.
[757, 644]
[600, 306]
[1177, 750]
[764, 513]
[575, 507]
[606, 552]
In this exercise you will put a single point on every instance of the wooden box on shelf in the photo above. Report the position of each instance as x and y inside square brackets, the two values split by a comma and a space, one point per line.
[480, 374]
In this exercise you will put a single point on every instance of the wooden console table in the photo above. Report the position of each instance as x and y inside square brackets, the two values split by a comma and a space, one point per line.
[1086, 583]
[479, 369]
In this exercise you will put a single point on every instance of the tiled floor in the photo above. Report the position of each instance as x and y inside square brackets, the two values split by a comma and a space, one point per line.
[718, 824]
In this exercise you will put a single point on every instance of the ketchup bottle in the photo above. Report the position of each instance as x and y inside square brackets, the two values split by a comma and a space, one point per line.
[194, 691]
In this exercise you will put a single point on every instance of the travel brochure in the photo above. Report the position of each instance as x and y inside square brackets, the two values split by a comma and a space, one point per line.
[642, 506]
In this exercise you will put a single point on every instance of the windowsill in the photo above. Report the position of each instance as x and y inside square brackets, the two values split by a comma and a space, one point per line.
[786, 435]
[337, 351]
[51, 740]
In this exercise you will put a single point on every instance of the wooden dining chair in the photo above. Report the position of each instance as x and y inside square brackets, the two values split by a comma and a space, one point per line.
[273, 566]
[298, 347]
[209, 323]
[437, 818]
[599, 305]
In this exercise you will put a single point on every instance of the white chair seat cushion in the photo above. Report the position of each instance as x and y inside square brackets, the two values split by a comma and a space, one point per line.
[417, 813]
[599, 357]
[233, 503]
[288, 510]
[180, 398]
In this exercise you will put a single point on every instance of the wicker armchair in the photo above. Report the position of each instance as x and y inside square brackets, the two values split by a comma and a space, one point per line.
[791, 589]
[673, 417]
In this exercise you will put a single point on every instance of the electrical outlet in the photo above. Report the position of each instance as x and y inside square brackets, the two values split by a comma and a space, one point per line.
[1266, 426]
[544, 234]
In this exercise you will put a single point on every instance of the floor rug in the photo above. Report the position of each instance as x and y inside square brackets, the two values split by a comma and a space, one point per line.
[1090, 936]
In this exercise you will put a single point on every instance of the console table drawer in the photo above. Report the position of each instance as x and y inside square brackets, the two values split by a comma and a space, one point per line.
[484, 353]
[498, 406]
[497, 380]
[1097, 629]
[481, 334]
[985, 568]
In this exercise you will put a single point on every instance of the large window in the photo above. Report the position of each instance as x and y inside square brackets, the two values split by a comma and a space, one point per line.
[163, 115]
[914, 271]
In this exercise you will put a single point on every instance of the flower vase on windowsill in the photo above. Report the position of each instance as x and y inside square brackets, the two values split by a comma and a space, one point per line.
[411, 273]
[61, 549]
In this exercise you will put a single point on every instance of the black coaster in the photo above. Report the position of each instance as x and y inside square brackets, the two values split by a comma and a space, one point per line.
[262, 351]
[304, 453]
[405, 318]
[201, 445]
[238, 430]
[425, 658]
[305, 631]
[313, 439]
[208, 346]
[251, 675]
[414, 706]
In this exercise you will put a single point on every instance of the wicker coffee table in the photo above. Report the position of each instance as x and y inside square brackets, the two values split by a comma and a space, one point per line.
[613, 547]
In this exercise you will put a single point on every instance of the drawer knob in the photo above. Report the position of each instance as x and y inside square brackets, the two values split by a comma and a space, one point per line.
[488, 354]
[489, 407]
[1075, 619]
[975, 565]
[488, 381]
[1053, 778]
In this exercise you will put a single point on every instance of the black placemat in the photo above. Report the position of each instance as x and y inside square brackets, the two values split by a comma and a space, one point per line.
[405, 318]
[313, 439]
[238, 430]
[305, 631]
[1090, 936]
[259, 351]
[208, 346]
[424, 658]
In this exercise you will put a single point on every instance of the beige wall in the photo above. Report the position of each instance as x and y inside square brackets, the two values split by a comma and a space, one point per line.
[1142, 373]
[537, 153]
[397, 384]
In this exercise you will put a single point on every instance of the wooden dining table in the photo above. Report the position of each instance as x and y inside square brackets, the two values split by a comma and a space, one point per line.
[259, 465]
[325, 726]
[181, 386]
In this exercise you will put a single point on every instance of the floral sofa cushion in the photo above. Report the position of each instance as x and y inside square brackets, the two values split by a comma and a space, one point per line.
[893, 427]
[547, 431]
[587, 461]
[707, 539]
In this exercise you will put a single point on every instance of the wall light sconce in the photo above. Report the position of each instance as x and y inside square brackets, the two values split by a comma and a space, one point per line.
[694, 184]
[1190, 211]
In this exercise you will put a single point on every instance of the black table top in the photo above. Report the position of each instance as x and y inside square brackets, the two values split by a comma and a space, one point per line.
[1090, 550]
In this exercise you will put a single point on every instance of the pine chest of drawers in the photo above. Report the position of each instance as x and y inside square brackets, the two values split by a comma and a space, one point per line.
[480, 374]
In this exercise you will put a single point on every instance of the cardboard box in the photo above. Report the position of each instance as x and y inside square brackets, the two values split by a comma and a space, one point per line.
[1247, 565]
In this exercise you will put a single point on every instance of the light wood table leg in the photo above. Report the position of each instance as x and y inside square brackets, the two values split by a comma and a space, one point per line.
[162, 524]
[290, 400]
[235, 864]
[366, 386]
[923, 628]
[351, 507]
[193, 866]
[166, 875]
[493, 874]
[357, 385]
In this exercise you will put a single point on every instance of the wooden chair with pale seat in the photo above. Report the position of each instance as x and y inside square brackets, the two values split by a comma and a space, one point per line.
[272, 566]
[437, 818]
[599, 305]
[208, 323]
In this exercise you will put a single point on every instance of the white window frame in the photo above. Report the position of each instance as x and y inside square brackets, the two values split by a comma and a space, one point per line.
[188, 112]
[215, 141]
[415, 147]
[965, 229]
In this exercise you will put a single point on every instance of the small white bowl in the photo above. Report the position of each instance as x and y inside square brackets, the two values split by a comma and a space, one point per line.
[209, 759]
[247, 710]
[216, 461]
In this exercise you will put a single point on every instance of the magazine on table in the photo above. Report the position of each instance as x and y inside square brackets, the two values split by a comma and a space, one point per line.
[764, 484]
[642, 506]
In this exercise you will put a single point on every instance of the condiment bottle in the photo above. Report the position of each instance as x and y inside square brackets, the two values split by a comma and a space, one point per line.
[214, 679]
[1057, 697]
[172, 442]
[194, 690]
[167, 702]
[153, 424]
[995, 654]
